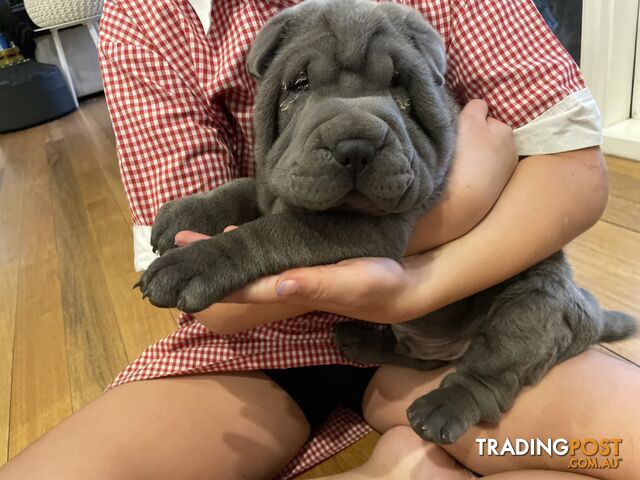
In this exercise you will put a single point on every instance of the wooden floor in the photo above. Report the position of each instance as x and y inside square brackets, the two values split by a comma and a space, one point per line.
[69, 320]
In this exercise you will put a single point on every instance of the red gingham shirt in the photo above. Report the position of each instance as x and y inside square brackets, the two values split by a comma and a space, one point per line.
[181, 103]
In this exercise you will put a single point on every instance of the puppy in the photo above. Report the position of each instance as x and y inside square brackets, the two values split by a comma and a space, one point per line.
[355, 133]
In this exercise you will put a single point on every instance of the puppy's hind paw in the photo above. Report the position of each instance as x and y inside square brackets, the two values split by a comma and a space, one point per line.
[443, 415]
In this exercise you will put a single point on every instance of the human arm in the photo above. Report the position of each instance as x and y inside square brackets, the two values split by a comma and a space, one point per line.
[485, 159]
[549, 200]
[532, 84]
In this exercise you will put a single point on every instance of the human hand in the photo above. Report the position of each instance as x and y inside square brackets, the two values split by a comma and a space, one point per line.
[484, 161]
[485, 140]
[366, 288]
[375, 289]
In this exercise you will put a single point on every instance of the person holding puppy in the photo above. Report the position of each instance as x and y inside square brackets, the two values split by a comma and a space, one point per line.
[238, 390]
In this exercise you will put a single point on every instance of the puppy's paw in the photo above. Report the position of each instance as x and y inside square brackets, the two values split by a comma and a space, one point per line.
[190, 213]
[190, 278]
[443, 415]
[361, 343]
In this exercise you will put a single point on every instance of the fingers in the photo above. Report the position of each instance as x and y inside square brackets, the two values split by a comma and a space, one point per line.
[317, 285]
[294, 286]
[186, 237]
[312, 286]
[262, 291]
[349, 283]
[498, 127]
[476, 109]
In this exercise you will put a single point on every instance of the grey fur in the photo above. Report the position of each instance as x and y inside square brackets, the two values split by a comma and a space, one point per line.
[311, 208]
[345, 165]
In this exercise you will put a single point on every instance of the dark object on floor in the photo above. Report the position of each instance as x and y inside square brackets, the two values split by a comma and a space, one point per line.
[17, 27]
[32, 93]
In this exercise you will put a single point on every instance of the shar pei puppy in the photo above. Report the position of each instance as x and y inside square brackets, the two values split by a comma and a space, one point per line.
[355, 134]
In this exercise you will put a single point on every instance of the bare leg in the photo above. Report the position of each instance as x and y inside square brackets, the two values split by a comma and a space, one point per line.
[232, 426]
[589, 396]
[208, 426]
[402, 455]
[536, 475]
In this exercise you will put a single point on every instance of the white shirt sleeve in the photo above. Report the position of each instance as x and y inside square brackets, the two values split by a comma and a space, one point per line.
[142, 252]
[572, 124]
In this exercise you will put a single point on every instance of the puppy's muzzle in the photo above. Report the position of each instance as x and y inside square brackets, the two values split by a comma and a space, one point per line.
[354, 154]
[348, 152]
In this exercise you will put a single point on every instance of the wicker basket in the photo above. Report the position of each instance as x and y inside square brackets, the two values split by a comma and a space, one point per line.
[47, 13]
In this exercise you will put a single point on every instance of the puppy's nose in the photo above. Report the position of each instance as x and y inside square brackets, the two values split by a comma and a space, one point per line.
[354, 153]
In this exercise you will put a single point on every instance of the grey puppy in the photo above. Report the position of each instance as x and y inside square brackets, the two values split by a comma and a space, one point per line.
[355, 133]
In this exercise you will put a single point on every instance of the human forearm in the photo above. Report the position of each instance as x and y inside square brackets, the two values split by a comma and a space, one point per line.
[549, 201]
[470, 194]
[228, 318]
[484, 161]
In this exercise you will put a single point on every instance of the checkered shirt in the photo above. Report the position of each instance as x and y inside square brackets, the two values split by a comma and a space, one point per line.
[181, 101]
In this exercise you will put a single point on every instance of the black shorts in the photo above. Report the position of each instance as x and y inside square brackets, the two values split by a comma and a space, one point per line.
[319, 389]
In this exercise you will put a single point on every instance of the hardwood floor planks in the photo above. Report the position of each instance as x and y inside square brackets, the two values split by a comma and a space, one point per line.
[347, 459]
[40, 394]
[139, 322]
[66, 275]
[100, 141]
[606, 261]
[95, 347]
[603, 263]
[623, 212]
[11, 197]
[624, 194]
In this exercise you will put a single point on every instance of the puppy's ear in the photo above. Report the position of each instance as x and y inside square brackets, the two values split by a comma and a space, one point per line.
[424, 38]
[430, 45]
[267, 42]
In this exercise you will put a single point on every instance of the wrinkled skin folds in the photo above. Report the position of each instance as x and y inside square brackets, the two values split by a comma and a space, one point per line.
[355, 133]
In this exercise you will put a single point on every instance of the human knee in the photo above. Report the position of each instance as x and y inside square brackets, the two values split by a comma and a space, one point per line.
[392, 390]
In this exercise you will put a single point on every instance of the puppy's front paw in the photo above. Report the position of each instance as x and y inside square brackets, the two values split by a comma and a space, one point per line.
[443, 415]
[190, 213]
[190, 278]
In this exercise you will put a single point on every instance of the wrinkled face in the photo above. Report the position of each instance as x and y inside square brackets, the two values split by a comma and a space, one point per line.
[351, 112]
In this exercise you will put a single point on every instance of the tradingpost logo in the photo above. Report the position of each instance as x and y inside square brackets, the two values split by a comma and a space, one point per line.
[581, 453]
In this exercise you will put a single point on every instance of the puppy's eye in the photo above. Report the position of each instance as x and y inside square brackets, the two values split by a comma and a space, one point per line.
[395, 80]
[300, 83]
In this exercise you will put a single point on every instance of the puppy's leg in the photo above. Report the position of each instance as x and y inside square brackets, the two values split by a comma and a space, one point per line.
[523, 338]
[377, 346]
[196, 276]
[209, 213]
